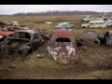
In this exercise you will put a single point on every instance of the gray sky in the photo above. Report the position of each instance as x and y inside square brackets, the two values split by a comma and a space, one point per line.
[11, 9]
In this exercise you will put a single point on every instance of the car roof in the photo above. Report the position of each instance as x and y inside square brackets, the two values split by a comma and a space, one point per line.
[62, 34]
[31, 31]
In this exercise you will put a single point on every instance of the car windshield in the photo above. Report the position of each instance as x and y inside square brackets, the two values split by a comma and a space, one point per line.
[62, 41]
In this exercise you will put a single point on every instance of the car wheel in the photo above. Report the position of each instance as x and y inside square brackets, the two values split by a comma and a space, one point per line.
[24, 51]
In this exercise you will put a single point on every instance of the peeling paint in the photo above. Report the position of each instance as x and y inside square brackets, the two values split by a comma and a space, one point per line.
[62, 45]
[90, 36]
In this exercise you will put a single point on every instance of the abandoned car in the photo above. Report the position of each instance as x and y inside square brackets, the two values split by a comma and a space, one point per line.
[93, 25]
[109, 23]
[62, 47]
[87, 19]
[89, 37]
[64, 25]
[97, 23]
[23, 42]
[108, 38]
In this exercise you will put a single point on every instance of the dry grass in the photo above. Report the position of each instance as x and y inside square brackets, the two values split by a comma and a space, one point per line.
[96, 60]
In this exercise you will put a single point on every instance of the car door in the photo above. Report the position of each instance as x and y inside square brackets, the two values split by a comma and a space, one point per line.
[35, 41]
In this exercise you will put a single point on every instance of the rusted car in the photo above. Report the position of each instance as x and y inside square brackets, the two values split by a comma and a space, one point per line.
[22, 42]
[62, 47]
[108, 38]
[89, 37]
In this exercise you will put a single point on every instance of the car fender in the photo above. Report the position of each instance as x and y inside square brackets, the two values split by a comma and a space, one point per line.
[24, 50]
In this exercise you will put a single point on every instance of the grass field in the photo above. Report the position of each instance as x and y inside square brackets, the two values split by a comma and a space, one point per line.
[96, 60]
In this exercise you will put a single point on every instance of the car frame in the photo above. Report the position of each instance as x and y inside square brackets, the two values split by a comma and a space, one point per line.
[27, 41]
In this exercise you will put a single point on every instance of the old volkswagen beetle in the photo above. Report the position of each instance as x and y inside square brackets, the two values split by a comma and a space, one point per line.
[62, 47]
[89, 37]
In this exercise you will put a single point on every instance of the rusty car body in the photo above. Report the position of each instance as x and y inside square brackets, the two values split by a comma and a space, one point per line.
[108, 38]
[22, 42]
[89, 37]
[62, 45]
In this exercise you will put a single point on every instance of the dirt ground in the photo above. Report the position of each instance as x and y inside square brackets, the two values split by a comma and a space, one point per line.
[96, 61]
[96, 64]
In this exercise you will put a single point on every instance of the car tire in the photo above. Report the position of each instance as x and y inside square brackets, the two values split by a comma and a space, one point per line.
[24, 51]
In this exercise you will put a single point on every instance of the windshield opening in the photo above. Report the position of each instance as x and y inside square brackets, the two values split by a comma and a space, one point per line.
[63, 40]
[23, 35]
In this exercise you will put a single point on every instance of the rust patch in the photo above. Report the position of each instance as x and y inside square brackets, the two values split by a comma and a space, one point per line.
[62, 45]
[6, 33]
[90, 36]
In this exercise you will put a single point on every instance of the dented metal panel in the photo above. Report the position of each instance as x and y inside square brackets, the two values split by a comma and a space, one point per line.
[90, 37]
[62, 45]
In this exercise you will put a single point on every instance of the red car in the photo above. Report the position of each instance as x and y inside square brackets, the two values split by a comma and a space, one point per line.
[90, 37]
[62, 46]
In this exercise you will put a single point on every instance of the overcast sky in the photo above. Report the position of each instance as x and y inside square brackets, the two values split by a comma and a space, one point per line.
[11, 9]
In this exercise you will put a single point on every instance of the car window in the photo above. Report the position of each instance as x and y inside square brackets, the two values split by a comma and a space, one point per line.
[91, 23]
[63, 40]
[23, 35]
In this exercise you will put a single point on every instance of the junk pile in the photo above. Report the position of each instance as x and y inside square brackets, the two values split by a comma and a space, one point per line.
[21, 41]
[94, 22]
[62, 43]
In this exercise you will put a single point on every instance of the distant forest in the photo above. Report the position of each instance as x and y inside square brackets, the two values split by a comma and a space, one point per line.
[62, 13]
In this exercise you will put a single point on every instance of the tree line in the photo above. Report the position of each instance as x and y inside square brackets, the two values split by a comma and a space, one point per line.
[61, 13]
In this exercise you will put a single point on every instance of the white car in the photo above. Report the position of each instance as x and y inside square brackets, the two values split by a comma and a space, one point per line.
[94, 25]
[97, 25]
